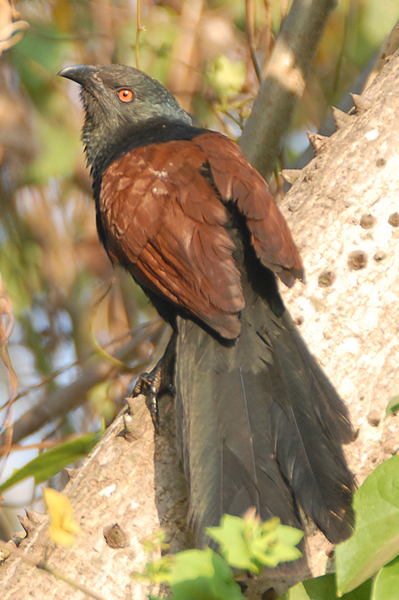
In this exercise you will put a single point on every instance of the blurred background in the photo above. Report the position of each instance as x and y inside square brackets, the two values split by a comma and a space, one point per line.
[74, 332]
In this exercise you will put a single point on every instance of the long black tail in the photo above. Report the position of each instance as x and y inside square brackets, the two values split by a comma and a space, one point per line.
[260, 425]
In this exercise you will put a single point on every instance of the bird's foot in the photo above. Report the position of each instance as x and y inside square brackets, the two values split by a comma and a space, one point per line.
[150, 385]
[157, 382]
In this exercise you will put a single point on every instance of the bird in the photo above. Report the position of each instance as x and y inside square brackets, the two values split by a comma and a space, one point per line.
[259, 425]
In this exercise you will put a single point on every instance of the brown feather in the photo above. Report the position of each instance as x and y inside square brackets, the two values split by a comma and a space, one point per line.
[167, 229]
[165, 223]
[236, 180]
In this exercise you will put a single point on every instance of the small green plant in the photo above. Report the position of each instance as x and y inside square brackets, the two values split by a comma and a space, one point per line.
[367, 565]
[250, 545]
[245, 544]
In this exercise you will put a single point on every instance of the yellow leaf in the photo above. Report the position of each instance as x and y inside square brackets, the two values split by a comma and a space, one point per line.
[63, 525]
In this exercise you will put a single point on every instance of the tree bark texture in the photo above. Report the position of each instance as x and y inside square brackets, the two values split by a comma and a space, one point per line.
[343, 211]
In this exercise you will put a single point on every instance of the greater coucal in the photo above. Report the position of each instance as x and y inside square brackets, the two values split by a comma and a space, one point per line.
[184, 212]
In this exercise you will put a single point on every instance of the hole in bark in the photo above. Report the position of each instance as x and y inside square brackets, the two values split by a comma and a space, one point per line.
[368, 221]
[327, 278]
[357, 260]
[394, 219]
[115, 536]
[379, 256]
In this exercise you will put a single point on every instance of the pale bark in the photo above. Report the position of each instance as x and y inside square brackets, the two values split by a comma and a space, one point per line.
[351, 326]
[129, 480]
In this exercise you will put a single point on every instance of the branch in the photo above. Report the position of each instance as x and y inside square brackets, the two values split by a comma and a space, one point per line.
[346, 104]
[115, 485]
[284, 82]
[387, 49]
[341, 210]
[71, 396]
[12, 28]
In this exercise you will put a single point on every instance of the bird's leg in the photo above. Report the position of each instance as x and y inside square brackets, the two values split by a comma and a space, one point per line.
[158, 381]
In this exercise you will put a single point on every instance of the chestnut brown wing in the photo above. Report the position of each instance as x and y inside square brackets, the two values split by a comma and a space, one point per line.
[164, 223]
[236, 180]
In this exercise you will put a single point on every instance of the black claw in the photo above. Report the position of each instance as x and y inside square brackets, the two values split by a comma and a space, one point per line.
[148, 384]
[152, 385]
[152, 403]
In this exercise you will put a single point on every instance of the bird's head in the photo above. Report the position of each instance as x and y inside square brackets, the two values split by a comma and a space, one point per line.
[120, 102]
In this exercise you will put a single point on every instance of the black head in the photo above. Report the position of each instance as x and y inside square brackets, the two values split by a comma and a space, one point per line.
[120, 104]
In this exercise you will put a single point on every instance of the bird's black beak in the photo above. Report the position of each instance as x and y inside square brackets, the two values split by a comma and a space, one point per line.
[82, 74]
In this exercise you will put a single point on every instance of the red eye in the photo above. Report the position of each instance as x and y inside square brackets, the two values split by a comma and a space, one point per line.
[125, 95]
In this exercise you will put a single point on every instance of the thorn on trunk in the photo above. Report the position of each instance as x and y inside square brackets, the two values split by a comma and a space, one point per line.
[4, 554]
[317, 141]
[134, 421]
[31, 521]
[361, 103]
[341, 118]
[291, 175]
[70, 472]
[18, 537]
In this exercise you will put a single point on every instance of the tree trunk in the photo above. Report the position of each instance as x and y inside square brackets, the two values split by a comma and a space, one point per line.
[343, 212]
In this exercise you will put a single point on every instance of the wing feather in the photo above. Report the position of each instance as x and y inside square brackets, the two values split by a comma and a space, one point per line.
[237, 181]
[165, 223]
[167, 229]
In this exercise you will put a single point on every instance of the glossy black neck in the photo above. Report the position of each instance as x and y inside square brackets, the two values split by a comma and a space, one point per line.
[155, 132]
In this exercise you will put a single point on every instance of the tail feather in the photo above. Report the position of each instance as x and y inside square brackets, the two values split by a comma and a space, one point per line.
[260, 425]
[227, 450]
[331, 412]
[310, 424]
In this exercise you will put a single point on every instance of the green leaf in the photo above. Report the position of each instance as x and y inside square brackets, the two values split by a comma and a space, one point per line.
[230, 536]
[203, 575]
[386, 584]
[393, 406]
[376, 539]
[196, 575]
[158, 571]
[52, 461]
[323, 588]
[250, 544]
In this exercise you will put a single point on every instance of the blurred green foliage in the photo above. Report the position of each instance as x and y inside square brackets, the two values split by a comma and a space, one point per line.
[48, 464]
[247, 544]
